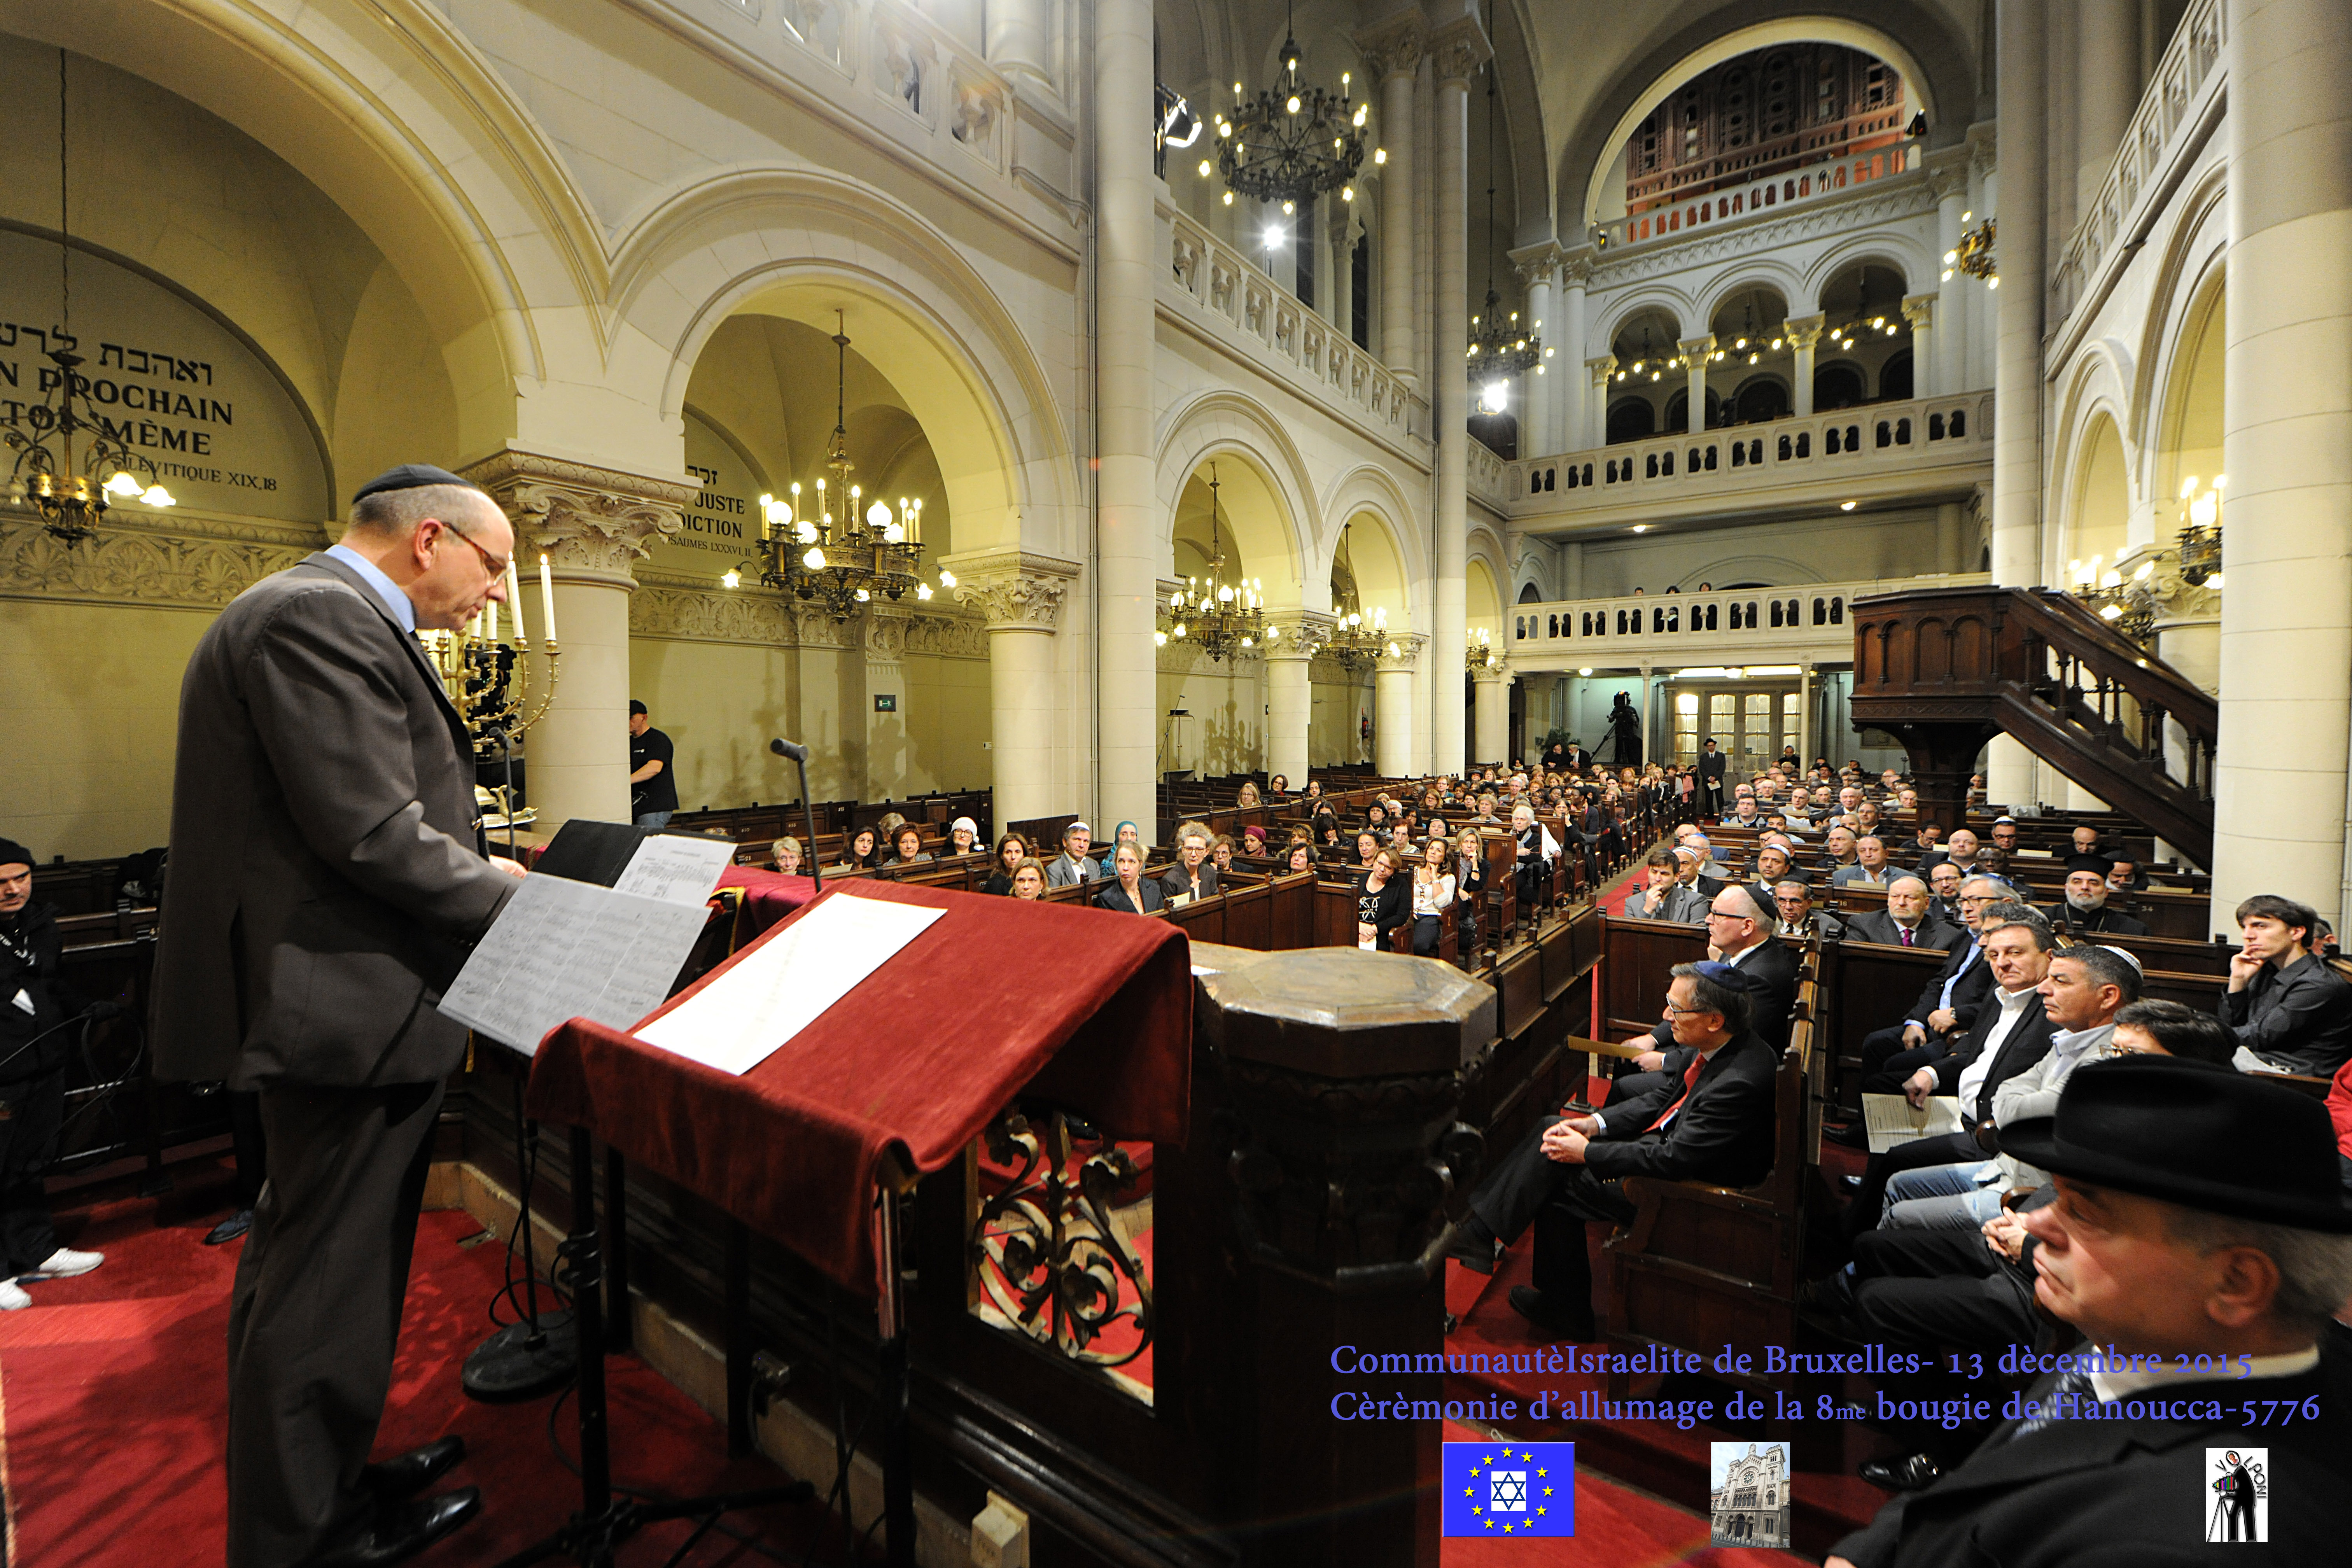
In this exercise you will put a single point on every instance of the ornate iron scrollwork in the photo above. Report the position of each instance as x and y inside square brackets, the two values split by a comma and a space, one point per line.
[1046, 1258]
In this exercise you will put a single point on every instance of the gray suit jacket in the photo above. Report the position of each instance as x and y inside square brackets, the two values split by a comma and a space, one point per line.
[328, 873]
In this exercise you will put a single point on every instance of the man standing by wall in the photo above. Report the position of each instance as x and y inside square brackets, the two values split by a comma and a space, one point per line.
[328, 873]
[653, 770]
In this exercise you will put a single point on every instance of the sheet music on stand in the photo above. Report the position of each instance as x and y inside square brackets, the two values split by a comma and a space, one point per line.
[676, 869]
[563, 949]
[1890, 1118]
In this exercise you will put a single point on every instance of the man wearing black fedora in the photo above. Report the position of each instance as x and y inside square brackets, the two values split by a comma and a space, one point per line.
[2201, 1243]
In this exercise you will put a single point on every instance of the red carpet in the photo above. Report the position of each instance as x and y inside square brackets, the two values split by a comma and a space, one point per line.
[115, 1397]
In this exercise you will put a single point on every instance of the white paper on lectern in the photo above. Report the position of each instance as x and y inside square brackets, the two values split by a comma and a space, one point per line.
[676, 870]
[1890, 1118]
[563, 949]
[744, 1016]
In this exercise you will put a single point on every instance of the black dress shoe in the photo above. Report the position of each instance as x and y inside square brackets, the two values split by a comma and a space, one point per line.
[414, 1471]
[229, 1229]
[1911, 1473]
[1529, 1303]
[400, 1531]
[1474, 1253]
[1855, 1135]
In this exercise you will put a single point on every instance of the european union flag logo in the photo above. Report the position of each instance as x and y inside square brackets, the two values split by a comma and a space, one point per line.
[1514, 1488]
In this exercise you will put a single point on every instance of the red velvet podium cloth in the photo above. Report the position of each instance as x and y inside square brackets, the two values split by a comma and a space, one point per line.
[768, 896]
[1090, 1009]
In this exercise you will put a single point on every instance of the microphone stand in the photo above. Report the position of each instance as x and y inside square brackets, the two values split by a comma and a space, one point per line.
[535, 1354]
[798, 755]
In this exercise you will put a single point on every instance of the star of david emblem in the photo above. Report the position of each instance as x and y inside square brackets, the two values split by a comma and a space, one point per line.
[1506, 1491]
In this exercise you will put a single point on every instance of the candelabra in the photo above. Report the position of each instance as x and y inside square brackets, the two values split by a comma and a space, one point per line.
[487, 677]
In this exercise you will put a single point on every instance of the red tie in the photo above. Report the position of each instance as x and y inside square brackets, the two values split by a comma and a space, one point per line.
[1690, 1076]
[1907, 934]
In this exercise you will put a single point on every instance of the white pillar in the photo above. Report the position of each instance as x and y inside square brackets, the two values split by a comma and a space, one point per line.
[1020, 41]
[1694, 355]
[1290, 692]
[1021, 596]
[592, 524]
[1597, 373]
[1542, 388]
[2280, 809]
[1919, 309]
[1393, 716]
[1392, 58]
[1804, 335]
[1125, 693]
[1573, 393]
[1492, 692]
[2017, 367]
[1456, 53]
[1951, 188]
[2106, 88]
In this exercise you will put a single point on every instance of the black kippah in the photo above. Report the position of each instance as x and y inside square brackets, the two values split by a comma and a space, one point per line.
[408, 477]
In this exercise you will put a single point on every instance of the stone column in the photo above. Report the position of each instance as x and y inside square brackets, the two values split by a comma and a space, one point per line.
[592, 524]
[1020, 41]
[1021, 596]
[1950, 185]
[1694, 352]
[1538, 264]
[1596, 411]
[1804, 335]
[1290, 691]
[1491, 688]
[1919, 309]
[1456, 53]
[1393, 685]
[2017, 365]
[1127, 662]
[2280, 806]
[1573, 393]
[1392, 58]
[2106, 88]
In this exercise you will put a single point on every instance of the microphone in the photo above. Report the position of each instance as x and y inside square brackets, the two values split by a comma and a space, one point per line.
[790, 749]
[797, 754]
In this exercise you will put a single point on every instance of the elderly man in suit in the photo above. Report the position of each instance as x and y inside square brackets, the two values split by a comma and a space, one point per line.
[1713, 1125]
[328, 873]
[2200, 1244]
[2084, 907]
[1073, 864]
[1905, 921]
[1743, 930]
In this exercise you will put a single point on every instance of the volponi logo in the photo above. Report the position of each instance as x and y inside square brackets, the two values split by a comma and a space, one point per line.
[2238, 1493]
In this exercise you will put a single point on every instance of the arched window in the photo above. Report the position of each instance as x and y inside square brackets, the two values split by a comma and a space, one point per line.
[1630, 419]
[1894, 378]
[1838, 386]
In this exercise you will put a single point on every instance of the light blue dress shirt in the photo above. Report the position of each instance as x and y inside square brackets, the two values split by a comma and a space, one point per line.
[385, 588]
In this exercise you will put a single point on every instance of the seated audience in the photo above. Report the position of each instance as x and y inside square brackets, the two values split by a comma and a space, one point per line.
[1793, 896]
[1944, 888]
[1945, 1011]
[1711, 1123]
[1277, 789]
[1469, 889]
[1905, 921]
[2086, 841]
[906, 847]
[1960, 849]
[2289, 1011]
[1837, 850]
[964, 837]
[1665, 896]
[1368, 845]
[1383, 899]
[1011, 850]
[1073, 864]
[1300, 857]
[1772, 863]
[1126, 833]
[38, 1039]
[1192, 877]
[863, 852]
[1870, 866]
[1028, 879]
[2197, 1222]
[786, 852]
[2085, 906]
[1248, 795]
[1129, 891]
[2004, 835]
[1433, 896]
[1253, 841]
[1537, 850]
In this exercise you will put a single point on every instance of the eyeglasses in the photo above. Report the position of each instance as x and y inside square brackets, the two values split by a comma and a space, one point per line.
[1724, 915]
[1673, 1011]
[497, 568]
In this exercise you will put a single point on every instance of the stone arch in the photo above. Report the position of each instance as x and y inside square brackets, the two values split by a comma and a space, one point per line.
[413, 135]
[1778, 570]
[1231, 424]
[1898, 253]
[1664, 298]
[918, 311]
[2095, 523]
[1918, 38]
[1487, 571]
[2184, 324]
[1759, 272]
[1369, 491]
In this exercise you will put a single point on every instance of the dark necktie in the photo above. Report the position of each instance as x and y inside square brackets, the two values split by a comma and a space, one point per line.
[1690, 1078]
[2077, 1383]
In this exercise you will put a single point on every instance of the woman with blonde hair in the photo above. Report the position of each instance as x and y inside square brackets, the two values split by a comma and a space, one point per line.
[1029, 879]
[786, 853]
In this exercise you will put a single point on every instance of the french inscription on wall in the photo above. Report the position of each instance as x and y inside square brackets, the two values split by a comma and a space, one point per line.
[721, 524]
[201, 414]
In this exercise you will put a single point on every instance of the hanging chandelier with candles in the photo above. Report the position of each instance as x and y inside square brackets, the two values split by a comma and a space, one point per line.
[842, 561]
[1499, 346]
[68, 468]
[1292, 143]
[1220, 617]
[1357, 638]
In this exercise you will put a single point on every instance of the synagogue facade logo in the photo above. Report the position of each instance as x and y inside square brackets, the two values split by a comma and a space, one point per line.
[1747, 1494]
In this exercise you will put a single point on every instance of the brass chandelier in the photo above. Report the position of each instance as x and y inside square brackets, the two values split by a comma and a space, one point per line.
[842, 563]
[71, 492]
[1293, 143]
[1356, 639]
[1220, 617]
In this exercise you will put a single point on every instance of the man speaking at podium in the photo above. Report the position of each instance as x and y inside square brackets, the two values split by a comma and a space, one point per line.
[327, 875]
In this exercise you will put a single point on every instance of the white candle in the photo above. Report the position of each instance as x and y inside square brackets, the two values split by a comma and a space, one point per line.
[490, 610]
[546, 599]
[514, 601]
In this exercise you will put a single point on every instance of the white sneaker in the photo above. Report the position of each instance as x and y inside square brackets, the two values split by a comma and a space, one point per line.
[64, 1264]
[13, 1298]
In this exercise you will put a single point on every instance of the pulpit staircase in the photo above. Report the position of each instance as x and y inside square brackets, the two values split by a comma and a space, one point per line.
[1943, 669]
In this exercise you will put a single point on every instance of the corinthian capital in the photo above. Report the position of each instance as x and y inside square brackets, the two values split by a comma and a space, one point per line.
[1012, 589]
[1395, 47]
[587, 519]
[1297, 634]
[1536, 263]
[1458, 49]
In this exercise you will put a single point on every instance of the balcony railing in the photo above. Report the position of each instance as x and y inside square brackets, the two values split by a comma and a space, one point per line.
[1882, 437]
[2182, 100]
[1214, 287]
[1768, 197]
[1797, 622]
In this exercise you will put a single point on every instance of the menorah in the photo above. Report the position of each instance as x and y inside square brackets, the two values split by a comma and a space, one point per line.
[489, 678]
